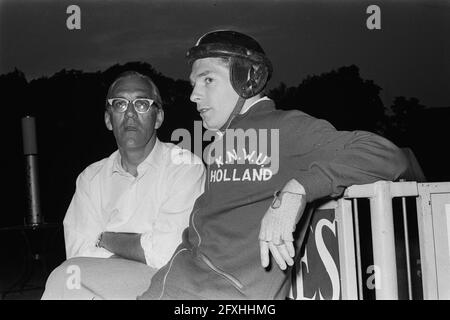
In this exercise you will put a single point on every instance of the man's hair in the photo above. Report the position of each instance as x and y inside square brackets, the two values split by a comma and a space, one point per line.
[226, 61]
[131, 73]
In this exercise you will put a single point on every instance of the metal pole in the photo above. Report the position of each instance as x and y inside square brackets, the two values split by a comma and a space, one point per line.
[33, 216]
[383, 242]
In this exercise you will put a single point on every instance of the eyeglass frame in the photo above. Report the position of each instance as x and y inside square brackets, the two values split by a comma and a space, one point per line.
[152, 104]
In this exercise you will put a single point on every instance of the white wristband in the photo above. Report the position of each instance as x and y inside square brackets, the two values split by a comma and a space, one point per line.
[278, 195]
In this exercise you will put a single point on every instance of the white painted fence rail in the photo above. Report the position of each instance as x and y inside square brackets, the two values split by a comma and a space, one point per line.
[336, 224]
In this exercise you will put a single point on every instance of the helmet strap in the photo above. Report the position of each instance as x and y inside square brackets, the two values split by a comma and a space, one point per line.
[237, 109]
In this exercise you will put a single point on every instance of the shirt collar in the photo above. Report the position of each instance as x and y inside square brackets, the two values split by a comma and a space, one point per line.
[154, 159]
[244, 110]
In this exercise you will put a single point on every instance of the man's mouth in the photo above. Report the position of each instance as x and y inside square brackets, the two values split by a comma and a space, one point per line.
[130, 128]
[203, 110]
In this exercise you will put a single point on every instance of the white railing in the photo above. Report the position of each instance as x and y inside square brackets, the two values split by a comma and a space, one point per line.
[331, 265]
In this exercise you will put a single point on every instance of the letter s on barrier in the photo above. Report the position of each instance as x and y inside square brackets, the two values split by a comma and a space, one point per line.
[330, 265]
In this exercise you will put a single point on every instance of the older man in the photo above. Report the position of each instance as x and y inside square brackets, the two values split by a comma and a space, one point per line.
[132, 205]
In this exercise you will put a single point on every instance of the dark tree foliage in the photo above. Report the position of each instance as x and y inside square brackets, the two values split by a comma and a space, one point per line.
[404, 114]
[69, 109]
[71, 134]
[342, 97]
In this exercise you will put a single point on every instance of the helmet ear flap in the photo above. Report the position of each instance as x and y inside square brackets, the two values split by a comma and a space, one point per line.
[247, 78]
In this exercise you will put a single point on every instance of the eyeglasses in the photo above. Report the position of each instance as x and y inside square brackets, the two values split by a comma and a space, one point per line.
[141, 105]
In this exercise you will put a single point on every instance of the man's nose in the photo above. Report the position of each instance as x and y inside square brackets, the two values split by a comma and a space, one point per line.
[195, 94]
[130, 112]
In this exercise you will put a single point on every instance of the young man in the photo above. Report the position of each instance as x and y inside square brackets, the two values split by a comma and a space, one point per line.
[133, 205]
[264, 167]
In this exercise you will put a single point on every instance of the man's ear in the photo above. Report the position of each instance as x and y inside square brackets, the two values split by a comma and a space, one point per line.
[159, 118]
[108, 120]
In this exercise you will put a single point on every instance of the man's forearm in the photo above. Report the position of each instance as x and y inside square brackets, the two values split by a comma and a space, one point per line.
[125, 245]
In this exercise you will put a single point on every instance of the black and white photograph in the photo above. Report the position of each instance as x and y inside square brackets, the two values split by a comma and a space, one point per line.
[225, 150]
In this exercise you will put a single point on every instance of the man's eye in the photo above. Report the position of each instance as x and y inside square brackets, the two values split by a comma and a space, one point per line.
[208, 80]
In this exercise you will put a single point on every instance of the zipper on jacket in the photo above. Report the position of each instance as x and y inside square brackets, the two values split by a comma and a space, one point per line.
[235, 282]
[208, 163]
[173, 258]
[195, 229]
[168, 270]
[208, 169]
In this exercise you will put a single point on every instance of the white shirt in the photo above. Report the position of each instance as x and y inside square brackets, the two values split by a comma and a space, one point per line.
[156, 203]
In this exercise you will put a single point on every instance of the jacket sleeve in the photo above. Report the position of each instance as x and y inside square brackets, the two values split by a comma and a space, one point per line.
[327, 161]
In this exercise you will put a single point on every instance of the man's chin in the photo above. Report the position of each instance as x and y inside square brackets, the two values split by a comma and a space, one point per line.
[209, 126]
[131, 144]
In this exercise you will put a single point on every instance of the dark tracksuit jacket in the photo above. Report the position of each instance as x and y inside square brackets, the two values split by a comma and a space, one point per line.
[219, 257]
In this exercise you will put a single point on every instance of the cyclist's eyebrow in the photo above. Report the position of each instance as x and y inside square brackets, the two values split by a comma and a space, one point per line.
[204, 73]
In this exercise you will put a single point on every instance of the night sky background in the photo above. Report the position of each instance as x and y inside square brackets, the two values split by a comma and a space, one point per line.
[409, 56]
